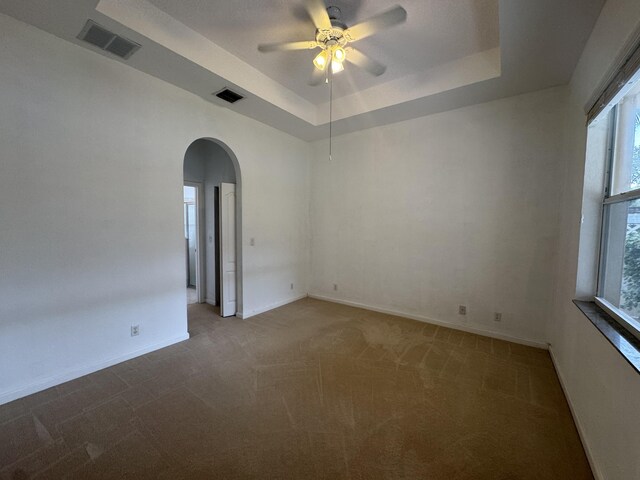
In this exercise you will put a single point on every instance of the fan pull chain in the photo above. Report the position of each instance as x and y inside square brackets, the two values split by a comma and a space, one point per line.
[330, 76]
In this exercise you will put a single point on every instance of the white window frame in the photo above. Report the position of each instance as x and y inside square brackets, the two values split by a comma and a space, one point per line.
[624, 319]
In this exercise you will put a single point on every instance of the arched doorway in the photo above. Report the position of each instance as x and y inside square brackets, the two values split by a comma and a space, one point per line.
[213, 225]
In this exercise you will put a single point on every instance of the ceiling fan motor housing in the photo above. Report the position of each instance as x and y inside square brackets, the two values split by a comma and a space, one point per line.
[335, 15]
[335, 35]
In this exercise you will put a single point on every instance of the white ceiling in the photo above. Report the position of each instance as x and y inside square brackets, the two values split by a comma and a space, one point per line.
[449, 53]
[436, 32]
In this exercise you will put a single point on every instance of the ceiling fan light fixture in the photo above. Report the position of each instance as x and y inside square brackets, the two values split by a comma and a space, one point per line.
[336, 66]
[321, 60]
[339, 54]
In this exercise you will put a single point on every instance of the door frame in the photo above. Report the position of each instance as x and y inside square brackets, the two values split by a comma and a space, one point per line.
[239, 223]
[200, 240]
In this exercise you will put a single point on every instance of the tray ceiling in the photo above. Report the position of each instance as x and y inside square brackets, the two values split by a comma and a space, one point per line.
[449, 53]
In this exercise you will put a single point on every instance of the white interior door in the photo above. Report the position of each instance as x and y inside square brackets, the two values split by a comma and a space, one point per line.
[227, 249]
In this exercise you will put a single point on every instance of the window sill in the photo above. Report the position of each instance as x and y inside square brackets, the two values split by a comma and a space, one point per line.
[621, 339]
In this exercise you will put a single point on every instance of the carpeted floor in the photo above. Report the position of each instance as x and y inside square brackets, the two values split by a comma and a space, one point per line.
[192, 296]
[311, 390]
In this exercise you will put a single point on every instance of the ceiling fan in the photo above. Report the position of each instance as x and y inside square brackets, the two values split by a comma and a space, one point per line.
[333, 38]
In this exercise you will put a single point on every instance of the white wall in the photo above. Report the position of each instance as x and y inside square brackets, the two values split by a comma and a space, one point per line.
[603, 389]
[91, 173]
[456, 208]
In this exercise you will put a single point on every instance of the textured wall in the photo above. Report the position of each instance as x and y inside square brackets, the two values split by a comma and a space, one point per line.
[91, 173]
[456, 208]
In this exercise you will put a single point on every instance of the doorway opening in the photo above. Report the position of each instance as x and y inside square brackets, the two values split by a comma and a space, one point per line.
[190, 198]
[213, 233]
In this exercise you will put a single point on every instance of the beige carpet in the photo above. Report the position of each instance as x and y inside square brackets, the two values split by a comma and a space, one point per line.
[312, 390]
[192, 296]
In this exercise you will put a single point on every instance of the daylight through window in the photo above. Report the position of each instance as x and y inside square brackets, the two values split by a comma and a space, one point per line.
[619, 282]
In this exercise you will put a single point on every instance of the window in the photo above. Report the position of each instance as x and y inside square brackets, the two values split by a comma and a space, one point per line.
[619, 277]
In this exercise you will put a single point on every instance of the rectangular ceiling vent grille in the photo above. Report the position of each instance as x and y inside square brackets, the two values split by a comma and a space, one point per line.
[229, 96]
[105, 40]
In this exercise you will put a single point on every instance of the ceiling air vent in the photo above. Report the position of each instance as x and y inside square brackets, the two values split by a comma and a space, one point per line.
[229, 96]
[105, 40]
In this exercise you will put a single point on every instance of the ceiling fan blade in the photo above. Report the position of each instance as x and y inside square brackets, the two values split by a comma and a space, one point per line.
[318, 12]
[318, 77]
[387, 19]
[365, 62]
[285, 46]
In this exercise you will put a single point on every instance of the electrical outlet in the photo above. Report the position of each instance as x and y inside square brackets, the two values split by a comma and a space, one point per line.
[335, 287]
[252, 242]
[135, 330]
[497, 317]
[462, 310]
[292, 286]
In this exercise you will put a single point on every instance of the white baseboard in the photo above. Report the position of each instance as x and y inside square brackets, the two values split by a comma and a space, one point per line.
[271, 306]
[210, 302]
[583, 438]
[422, 318]
[43, 384]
